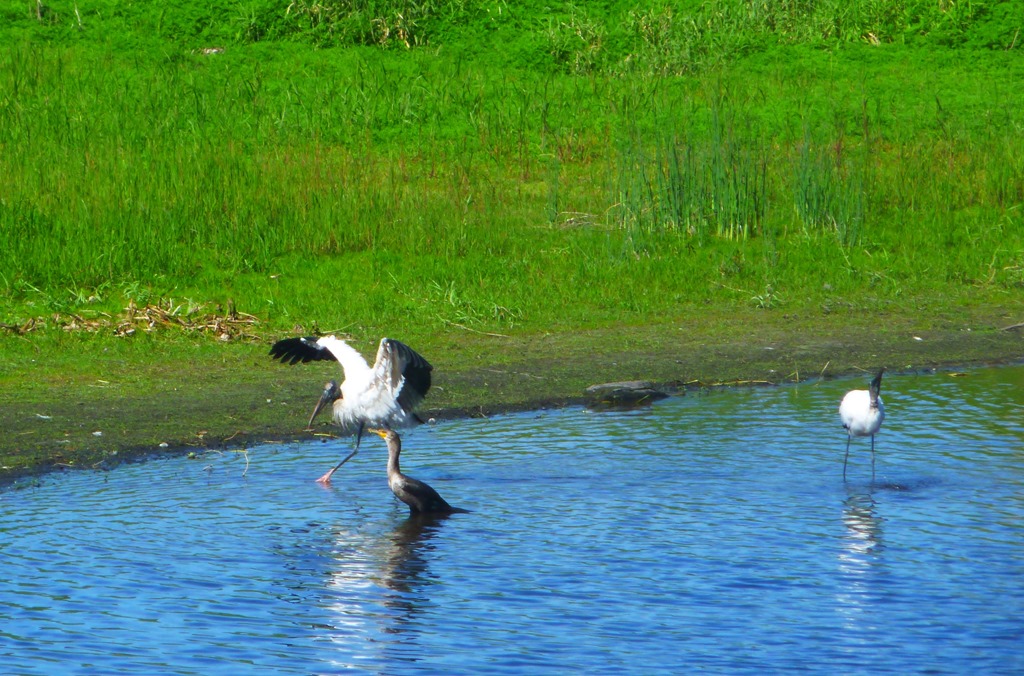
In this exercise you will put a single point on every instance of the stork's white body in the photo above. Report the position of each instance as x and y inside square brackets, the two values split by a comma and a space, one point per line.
[369, 396]
[862, 413]
[858, 416]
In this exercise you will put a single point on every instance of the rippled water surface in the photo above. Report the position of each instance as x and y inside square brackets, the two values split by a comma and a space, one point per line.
[708, 532]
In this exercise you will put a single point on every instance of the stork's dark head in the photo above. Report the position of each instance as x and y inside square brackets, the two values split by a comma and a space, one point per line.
[331, 394]
[875, 388]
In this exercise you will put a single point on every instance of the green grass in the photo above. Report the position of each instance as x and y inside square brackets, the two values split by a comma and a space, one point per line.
[435, 171]
[502, 199]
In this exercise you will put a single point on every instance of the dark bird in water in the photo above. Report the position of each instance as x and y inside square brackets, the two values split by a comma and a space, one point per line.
[421, 498]
[862, 413]
[384, 395]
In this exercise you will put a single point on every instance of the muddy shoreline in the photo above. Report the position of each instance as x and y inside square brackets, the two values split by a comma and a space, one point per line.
[243, 399]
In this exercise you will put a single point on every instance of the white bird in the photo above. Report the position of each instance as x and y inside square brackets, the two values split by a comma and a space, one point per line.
[383, 396]
[862, 413]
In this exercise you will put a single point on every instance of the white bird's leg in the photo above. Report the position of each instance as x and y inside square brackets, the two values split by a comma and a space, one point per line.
[872, 458]
[359, 434]
[326, 478]
[847, 456]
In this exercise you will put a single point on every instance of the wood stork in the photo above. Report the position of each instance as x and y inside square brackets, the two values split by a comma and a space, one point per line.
[384, 395]
[421, 498]
[862, 413]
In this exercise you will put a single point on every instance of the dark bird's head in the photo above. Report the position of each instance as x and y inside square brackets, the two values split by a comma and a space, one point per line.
[393, 440]
[331, 394]
[385, 434]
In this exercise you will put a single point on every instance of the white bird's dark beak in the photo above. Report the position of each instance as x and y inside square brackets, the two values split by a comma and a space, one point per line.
[330, 395]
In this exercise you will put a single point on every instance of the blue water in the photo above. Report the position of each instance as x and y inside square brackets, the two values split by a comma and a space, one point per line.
[708, 532]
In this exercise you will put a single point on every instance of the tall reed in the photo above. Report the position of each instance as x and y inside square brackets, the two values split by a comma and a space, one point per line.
[830, 192]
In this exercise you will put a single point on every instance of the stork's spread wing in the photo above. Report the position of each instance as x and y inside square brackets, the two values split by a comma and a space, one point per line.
[397, 361]
[295, 350]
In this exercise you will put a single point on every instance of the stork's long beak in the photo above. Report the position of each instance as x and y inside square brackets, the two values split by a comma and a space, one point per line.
[330, 395]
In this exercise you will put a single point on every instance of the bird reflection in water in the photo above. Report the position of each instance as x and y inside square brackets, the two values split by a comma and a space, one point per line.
[862, 575]
[380, 587]
[408, 581]
[405, 566]
[863, 526]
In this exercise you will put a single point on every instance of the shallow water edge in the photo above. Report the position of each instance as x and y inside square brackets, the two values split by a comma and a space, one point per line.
[218, 408]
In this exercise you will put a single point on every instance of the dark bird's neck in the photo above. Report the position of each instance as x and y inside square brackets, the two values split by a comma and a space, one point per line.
[394, 450]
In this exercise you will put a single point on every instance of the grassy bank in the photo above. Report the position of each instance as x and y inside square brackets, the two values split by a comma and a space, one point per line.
[180, 186]
[506, 201]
